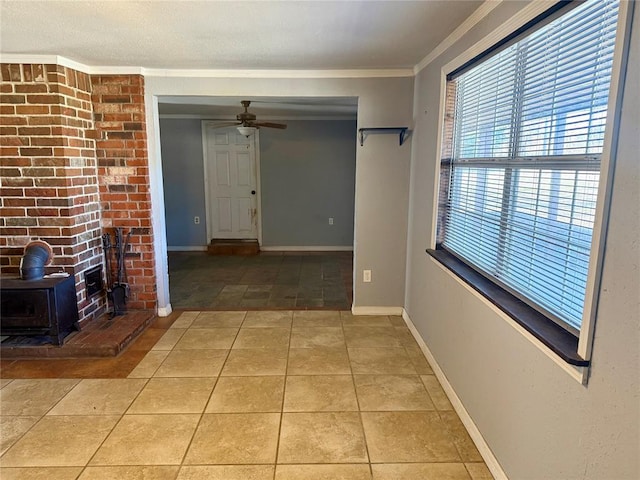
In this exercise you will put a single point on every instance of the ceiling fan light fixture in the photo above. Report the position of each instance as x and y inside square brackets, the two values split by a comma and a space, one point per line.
[246, 131]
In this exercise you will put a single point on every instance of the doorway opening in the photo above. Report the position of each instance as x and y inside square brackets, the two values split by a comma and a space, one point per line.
[292, 191]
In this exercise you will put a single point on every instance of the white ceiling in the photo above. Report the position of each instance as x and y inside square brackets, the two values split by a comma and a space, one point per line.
[235, 35]
[174, 34]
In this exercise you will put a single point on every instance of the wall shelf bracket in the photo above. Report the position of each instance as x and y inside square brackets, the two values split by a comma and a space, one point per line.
[402, 132]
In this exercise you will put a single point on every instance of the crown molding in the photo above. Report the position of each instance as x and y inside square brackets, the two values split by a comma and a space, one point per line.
[115, 70]
[365, 73]
[202, 73]
[471, 21]
[43, 59]
[524, 15]
[69, 63]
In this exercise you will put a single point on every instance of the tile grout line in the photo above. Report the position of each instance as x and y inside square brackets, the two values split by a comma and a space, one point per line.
[204, 409]
[186, 450]
[284, 392]
[353, 381]
[112, 429]
[451, 435]
[41, 416]
[126, 411]
[46, 414]
[419, 375]
[23, 434]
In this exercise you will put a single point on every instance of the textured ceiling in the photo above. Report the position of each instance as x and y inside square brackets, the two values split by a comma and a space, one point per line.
[349, 34]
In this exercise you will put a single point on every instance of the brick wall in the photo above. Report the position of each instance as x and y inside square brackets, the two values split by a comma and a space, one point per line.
[123, 173]
[75, 165]
[48, 178]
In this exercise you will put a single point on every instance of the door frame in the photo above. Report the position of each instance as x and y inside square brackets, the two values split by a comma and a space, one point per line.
[207, 201]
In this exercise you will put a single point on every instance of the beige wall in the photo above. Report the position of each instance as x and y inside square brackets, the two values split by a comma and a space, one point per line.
[539, 421]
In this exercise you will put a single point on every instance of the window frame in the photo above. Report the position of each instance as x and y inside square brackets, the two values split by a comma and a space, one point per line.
[566, 351]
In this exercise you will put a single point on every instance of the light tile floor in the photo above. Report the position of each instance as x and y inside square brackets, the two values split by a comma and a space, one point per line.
[304, 395]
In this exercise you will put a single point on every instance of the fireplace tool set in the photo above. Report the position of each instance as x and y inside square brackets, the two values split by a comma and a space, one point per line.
[117, 291]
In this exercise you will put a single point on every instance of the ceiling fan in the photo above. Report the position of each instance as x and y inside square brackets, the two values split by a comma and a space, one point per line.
[246, 122]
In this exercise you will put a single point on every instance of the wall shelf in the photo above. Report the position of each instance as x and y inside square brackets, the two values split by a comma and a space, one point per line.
[402, 132]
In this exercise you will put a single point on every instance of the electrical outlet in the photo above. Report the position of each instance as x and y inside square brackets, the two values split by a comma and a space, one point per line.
[330, 220]
[196, 220]
[366, 276]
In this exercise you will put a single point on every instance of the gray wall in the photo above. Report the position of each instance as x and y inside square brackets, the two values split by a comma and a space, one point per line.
[539, 422]
[307, 174]
[382, 169]
[182, 171]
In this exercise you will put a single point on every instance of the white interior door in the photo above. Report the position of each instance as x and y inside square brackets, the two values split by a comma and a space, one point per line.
[231, 184]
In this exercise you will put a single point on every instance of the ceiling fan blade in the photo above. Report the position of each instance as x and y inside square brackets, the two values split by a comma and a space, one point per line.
[281, 126]
[226, 124]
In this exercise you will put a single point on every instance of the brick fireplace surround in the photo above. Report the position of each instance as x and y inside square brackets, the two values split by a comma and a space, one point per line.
[74, 166]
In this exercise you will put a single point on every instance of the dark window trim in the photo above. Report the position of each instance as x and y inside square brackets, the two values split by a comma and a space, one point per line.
[512, 38]
[560, 341]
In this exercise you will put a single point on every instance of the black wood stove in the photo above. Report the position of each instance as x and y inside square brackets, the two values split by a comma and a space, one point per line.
[46, 306]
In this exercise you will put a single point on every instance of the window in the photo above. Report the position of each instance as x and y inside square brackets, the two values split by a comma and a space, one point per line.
[524, 135]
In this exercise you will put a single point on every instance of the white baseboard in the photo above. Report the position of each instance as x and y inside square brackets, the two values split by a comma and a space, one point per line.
[198, 248]
[377, 310]
[488, 456]
[312, 248]
[165, 311]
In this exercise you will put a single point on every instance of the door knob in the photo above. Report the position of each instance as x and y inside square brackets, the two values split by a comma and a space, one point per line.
[253, 192]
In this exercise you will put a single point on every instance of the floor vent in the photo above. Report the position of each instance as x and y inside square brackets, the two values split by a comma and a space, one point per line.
[233, 247]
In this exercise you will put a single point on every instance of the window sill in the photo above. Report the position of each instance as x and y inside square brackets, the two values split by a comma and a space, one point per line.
[561, 342]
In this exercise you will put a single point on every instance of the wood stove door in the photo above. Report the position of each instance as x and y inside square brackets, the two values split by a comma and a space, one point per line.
[26, 309]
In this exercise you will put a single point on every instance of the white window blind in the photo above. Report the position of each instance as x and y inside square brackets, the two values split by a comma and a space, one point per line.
[528, 129]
